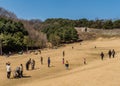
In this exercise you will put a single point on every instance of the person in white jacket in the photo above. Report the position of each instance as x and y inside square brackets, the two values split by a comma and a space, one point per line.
[8, 67]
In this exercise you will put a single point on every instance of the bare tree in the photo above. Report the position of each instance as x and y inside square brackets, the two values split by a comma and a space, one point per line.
[36, 36]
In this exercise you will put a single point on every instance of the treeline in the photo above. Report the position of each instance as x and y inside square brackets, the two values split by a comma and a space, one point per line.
[11, 35]
[59, 31]
[98, 23]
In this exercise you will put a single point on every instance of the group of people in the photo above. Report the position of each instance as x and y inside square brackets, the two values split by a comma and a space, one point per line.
[49, 61]
[63, 60]
[17, 73]
[30, 62]
[111, 53]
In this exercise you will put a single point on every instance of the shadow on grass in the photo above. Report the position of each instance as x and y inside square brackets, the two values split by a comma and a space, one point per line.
[26, 77]
[21, 77]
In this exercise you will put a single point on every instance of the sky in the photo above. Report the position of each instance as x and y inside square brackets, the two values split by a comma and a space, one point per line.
[71, 9]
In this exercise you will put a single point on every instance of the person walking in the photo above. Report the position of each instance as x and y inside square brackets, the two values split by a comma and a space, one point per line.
[102, 55]
[8, 67]
[49, 61]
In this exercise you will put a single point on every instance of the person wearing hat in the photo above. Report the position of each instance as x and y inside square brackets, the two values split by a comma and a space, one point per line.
[8, 67]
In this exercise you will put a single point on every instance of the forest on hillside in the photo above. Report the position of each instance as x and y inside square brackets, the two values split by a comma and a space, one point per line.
[20, 35]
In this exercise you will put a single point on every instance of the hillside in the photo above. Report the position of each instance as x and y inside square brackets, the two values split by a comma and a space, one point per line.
[96, 72]
[93, 33]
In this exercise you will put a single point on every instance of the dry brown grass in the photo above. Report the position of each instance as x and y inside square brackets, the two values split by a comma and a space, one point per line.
[57, 75]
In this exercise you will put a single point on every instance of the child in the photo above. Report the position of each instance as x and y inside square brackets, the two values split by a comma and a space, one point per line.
[67, 64]
[84, 59]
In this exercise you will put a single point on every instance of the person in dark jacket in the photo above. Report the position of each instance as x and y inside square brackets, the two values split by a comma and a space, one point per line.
[49, 61]
[41, 59]
[21, 70]
[28, 64]
[109, 53]
[102, 55]
[63, 53]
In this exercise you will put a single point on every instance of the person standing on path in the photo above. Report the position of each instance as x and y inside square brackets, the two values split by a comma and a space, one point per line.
[8, 67]
[21, 70]
[41, 60]
[113, 53]
[63, 53]
[28, 64]
[102, 55]
[49, 61]
[67, 65]
[109, 53]
[32, 64]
